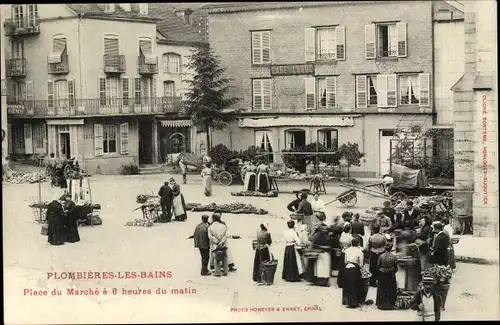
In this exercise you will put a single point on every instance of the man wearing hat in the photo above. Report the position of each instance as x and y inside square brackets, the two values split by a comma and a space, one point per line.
[410, 215]
[389, 211]
[427, 302]
[440, 245]
[383, 221]
[166, 201]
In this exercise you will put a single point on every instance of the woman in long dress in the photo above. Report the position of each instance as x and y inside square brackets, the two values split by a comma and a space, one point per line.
[292, 263]
[206, 175]
[346, 242]
[179, 205]
[263, 178]
[387, 287]
[71, 219]
[352, 290]
[56, 223]
[262, 252]
[250, 177]
[318, 270]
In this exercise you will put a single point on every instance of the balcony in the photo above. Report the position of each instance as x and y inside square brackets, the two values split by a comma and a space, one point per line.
[16, 67]
[94, 107]
[387, 54]
[58, 68]
[19, 27]
[114, 63]
[147, 68]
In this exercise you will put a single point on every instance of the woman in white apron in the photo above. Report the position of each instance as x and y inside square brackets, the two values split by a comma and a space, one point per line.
[292, 263]
[250, 177]
[318, 269]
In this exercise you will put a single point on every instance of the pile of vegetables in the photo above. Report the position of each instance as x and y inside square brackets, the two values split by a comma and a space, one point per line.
[441, 274]
[140, 223]
[254, 193]
[404, 299]
[419, 200]
[13, 177]
[234, 207]
[143, 198]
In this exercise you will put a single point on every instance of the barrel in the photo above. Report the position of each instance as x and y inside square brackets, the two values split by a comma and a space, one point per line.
[268, 271]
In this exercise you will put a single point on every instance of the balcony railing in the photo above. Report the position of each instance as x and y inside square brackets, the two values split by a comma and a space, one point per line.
[387, 54]
[145, 68]
[59, 68]
[94, 107]
[325, 56]
[16, 67]
[25, 26]
[114, 63]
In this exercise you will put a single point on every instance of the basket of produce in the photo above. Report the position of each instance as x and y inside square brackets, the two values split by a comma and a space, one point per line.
[140, 223]
[367, 220]
[365, 273]
[143, 198]
[404, 299]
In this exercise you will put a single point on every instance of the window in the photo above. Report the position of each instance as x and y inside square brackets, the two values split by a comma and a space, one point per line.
[261, 47]
[263, 141]
[329, 138]
[295, 138]
[17, 49]
[168, 89]
[125, 90]
[414, 89]
[111, 45]
[109, 138]
[137, 91]
[18, 136]
[320, 92]
[325, 43]
[32, 15]
[385, 40]
[386, 87]
[171, 63]
[262, 93]
[366, 91]
[58, 48]
[19, 91]
[124, 138]
[18, 14]
[39, 135]
[177, 143]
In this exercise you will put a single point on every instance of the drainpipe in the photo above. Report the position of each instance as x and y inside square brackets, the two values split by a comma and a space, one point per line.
[80, 52]
[433, 78]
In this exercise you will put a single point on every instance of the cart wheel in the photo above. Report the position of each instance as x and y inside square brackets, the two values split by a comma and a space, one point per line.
[225, 178]
[447, 194]
[398, 196]
[349, 201]
[67, 171]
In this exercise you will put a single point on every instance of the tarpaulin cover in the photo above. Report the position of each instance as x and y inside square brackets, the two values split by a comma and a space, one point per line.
[408, 178]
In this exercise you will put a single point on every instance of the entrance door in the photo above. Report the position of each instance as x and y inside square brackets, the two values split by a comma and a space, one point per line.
[64, 145]
[145, 142]
[385, 151]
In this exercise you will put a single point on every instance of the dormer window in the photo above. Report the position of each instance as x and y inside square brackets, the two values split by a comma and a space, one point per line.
[186, 16]
[109, 7]
[143, 8]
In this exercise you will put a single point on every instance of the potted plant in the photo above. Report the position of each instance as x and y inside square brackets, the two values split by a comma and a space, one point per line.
[442, 277]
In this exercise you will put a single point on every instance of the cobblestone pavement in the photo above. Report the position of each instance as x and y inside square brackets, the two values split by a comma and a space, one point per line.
[113, 247]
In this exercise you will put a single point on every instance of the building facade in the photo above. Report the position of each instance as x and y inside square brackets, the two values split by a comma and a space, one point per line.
[310, 73]
[5, 139]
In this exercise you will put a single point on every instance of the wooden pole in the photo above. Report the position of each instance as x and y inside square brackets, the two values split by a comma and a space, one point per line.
[40, 197]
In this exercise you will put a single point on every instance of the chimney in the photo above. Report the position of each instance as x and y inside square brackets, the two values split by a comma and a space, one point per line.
[126, 7]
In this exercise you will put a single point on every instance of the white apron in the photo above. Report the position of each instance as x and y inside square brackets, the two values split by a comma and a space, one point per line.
[178, 207]
[322, 269]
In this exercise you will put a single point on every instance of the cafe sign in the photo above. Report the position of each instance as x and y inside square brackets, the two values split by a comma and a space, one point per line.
[291, 69]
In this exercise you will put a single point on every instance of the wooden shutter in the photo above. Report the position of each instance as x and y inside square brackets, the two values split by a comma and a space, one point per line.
[257, 94]
[391, 90]
[331, 92]
[340, 42]
[98, 140]
[424, 81]
[125, 91]
[30, 97]
[370, 41]
[266, 94]
[101, 84]
[145, 46]
[9, 139]
[382, 90]
[402, 40]
[266, 46]
[50, 96]
[28, 139]
[71, 92]
[137, 93]
[310, 87]
[310, 44]
[111, 46]
[124, 138]
[59, 45]
[256, 48]
[361, 92]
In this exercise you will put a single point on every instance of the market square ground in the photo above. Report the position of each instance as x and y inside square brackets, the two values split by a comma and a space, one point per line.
[112, 247]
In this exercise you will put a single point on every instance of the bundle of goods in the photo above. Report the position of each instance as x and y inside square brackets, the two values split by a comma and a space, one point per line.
[404, 299]
[140, 223]
[143, 198]
[235, 208]
[441, 274]
[367, 220]
[13, 177]
[419, 200]
[273, 193]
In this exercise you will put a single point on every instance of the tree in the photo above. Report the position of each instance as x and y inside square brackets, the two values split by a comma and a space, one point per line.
[206, 103]
[350, 152]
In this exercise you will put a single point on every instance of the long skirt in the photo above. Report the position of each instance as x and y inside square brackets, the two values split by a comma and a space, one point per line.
[340, 277]
[250, 181]
[179, 208]
[230, 260]
[56, 233]
[335, 260]
[72, 235]
[318, 270]
[451, 257]
[352, 290]
[263, 182]
[207, 185]
[261, 255]
[292, 265]
[373, 268]
[386, 290]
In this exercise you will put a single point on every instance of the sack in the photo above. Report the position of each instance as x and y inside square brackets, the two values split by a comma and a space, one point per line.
[220, 254]
[94, 220]
[45, 230]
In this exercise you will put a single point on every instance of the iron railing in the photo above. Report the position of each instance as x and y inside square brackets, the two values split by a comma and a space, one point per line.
[94, 107]
[114, 63]
[24, 26]
[61, 67]
[16, 67]
[145, 68]
[386, 54]
[325, 56]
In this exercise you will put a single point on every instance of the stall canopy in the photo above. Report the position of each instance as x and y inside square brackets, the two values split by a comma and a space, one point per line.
[176, 123]
[405, 177]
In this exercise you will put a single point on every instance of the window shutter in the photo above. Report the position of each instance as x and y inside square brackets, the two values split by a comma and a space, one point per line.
[101, 84]
[28, 139]
[331, 92]
[310, 85]
[391, 90]
[267, 94]
[98, 140]
[382, 91]
[145, 46]
[50, 96]
[256, 48]
[124, 138]
[111, 46]
[137, 93]
[424, 81]
[30, 97]
[402, 40]
[266, 46]
[125, 91]
[257, 94]
[310, 46]
[340, 42]
[59, 45]
[71, 92]
[361, 92]
[370, 41]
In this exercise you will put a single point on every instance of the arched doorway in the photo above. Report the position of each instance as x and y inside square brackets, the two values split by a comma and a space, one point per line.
[177, 143]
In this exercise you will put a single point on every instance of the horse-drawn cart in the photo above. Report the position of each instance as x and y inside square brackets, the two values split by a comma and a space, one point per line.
[230, 172]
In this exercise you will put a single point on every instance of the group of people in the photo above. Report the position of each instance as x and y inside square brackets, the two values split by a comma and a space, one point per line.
[256, 177]
[172, 202]
[62, 221]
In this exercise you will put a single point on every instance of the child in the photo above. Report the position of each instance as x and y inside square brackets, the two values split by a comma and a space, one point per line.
[427, 302]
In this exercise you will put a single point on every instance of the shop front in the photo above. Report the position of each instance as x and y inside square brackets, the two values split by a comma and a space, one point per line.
[174, 137]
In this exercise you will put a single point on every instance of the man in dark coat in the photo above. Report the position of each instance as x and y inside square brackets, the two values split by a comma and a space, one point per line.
[71, 219]
[389, 211]
[440, 245]
[357, 228]
[410, 216]
[294, 205]
[202, 242]
[166, 201]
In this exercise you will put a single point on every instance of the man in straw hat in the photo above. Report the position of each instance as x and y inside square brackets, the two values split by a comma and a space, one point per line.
[427, 302]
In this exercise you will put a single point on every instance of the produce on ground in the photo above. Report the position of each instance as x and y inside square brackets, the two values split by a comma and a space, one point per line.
[254, 193]
[14, 177]
[143, 198]
[419, 200]
[140, 223]
[234, 207]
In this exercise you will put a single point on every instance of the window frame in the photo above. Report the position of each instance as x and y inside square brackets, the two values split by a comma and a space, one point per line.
[262, 95]
[288, 133]
[332, 55]
[400, 95]
[267, 144]
[395, 36]
[105, 141]
[261, 47]
[331, 140]
[368, 92]
[167, 83]
[167, 68]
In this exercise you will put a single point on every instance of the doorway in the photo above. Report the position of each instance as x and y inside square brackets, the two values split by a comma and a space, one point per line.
[145, 142]
[64, 145]
[385, 151]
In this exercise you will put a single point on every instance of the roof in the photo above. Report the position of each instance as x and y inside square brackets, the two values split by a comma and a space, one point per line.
[174, 29]
[95, 10]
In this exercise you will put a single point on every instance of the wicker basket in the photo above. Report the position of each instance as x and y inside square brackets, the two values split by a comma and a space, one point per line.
[455, 241]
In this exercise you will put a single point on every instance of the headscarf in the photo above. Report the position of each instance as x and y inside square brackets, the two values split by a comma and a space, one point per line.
[265, 224]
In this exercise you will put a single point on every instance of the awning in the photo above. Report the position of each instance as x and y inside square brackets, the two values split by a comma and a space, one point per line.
[65, 122]
[297, 121]
[59, 47]
[176, 123]
[150, 59]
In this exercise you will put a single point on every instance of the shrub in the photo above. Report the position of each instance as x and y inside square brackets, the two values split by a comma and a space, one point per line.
[220, 153]
[350, 152]
[298, 162]
[250, 153]
[130, 169]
